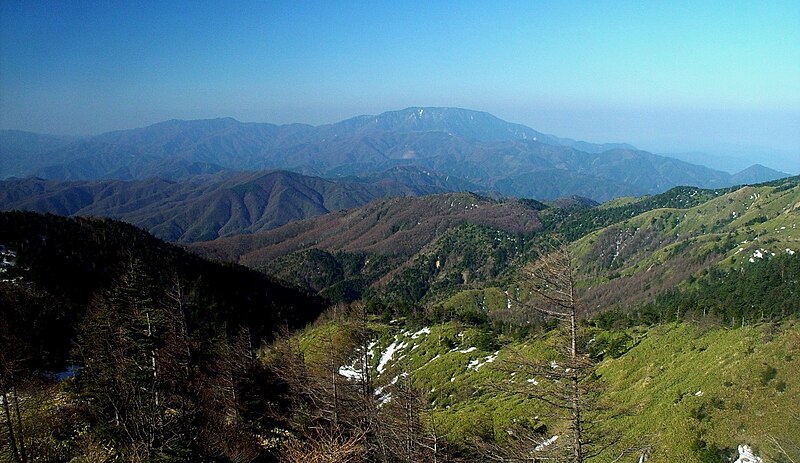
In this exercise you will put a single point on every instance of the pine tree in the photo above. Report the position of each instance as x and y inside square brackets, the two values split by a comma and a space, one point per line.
[127, 347]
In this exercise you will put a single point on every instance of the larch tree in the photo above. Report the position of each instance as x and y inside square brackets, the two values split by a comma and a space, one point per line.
[564, 381]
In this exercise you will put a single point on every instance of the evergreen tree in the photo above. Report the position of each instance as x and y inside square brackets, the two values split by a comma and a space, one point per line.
[129, 377]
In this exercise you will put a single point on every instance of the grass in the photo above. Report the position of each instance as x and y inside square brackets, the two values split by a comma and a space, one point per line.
[686, 390]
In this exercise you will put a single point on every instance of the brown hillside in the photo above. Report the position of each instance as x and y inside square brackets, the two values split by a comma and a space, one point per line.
[393, 226]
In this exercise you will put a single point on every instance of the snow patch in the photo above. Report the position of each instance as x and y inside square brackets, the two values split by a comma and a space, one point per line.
[545, 443]
[475, 364]
[387, 355]
[350, 372]
[746, 455]
[467, 351]
[425, 330]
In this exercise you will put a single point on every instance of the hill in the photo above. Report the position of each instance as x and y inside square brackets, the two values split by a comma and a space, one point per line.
[634, 252]
[413, 251]
[109, 335]
[676, 392]
[444, 329]
[383, 238]
[757, 174]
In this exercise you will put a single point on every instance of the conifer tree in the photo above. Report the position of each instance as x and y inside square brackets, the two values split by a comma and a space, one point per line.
[128, 373]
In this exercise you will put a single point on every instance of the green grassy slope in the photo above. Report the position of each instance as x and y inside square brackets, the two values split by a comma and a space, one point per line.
[690, 393]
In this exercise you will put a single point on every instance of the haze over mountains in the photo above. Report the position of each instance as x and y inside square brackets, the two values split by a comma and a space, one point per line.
[473, 146]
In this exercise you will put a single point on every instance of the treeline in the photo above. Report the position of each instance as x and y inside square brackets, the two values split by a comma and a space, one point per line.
[573, 224]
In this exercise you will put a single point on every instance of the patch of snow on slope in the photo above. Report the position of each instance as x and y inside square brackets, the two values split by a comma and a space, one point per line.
[467, 351]
[544, 444]
[387, 355]
[8, 260]
[350, 372]
[746, 455]
[425, 330]
[475, 364]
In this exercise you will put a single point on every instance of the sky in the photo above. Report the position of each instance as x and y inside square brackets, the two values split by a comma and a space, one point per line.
[663, 75]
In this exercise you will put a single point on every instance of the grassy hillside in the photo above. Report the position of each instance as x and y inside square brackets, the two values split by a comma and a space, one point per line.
[687, 392]
[636, 259]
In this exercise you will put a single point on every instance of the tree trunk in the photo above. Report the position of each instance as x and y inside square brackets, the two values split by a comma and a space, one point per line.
[10, 425]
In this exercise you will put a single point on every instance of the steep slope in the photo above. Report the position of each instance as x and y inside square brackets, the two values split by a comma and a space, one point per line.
[675, 392]
[394, 226]
[222, 205]
[633, 252]
[60, 264]
[641, 257]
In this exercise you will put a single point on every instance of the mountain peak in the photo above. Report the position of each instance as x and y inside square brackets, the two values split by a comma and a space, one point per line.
[757, 173]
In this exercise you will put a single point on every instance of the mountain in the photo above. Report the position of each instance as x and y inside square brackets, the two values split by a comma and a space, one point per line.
[472, 145]
[757, 174]
[22, 153]
[733, 158]
[395, 226]
[422, 249]
[221, 205]
[141, 333]
[688, 333]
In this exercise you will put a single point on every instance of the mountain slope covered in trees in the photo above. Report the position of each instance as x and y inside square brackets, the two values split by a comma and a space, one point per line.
[222, 205]
[162, 342]
[687, 333]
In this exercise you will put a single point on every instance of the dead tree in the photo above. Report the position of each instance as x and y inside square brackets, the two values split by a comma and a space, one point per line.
[552, 280]
[565, 380]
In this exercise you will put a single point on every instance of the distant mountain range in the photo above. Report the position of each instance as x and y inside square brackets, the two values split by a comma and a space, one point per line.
[477, 147]
[734, 158]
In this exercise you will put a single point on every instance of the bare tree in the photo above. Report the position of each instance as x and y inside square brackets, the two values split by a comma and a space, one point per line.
[324, 445]
[552, 279]
[564, 380]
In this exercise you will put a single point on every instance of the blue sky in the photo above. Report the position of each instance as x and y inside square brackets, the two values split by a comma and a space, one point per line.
[662, 75]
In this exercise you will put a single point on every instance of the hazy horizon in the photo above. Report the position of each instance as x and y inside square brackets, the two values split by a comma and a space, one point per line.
[665, 78]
